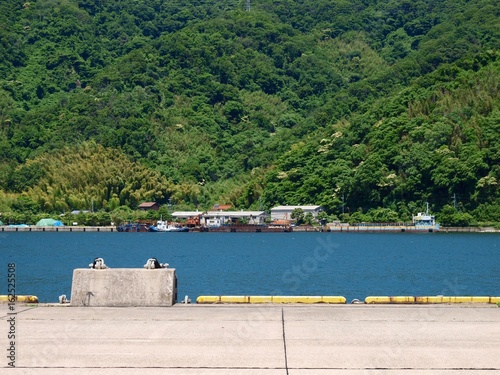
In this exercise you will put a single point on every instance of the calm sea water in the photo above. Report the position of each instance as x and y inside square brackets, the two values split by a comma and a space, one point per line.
[350, 264]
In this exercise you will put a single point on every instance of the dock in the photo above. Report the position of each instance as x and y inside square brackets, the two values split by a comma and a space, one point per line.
[34, 228]
[254, 339]
[263, 229]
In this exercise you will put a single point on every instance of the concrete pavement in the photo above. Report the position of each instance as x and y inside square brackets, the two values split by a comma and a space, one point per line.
[254, 339]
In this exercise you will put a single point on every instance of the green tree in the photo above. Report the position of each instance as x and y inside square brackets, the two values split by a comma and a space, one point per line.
[298, 215]
[449, 216]
[308, 218]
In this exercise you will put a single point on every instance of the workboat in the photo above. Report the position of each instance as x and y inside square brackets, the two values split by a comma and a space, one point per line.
[425, 221]
[164, 226]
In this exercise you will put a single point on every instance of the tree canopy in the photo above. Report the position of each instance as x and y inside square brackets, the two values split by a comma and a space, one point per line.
[355, 104]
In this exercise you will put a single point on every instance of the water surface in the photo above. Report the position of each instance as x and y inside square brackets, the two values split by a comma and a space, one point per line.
[353, 265]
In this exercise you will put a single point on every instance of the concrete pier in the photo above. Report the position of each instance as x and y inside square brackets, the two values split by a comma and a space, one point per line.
[124, 287]
[33, 228]
[256, 339]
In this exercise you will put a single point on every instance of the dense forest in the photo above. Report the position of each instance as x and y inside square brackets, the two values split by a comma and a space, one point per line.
[368, 108]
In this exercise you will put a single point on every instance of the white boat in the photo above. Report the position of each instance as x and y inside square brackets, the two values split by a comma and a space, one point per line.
[164, 226]
[425, 221]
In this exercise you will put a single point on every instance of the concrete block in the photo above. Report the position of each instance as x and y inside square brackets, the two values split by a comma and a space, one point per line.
[124, 287]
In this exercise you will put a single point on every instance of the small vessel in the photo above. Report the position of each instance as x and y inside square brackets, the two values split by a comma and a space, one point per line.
[164, 226]
[425, 221]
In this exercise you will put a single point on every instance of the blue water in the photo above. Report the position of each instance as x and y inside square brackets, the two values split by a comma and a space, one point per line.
[350, 264]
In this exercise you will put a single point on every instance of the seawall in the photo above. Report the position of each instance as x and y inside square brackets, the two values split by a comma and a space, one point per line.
[336, 228]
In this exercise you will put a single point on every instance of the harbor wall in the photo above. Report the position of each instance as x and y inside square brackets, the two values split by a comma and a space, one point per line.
[408, 229]
[124, 287]
[33, 228]
[327, 228]
[379, 228]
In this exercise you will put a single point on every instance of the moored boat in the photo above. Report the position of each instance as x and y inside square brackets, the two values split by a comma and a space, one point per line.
[425, 221]
[133, 227]
[245, 228]
[164, 226]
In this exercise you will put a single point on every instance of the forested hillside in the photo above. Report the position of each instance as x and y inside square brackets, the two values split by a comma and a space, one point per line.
[369, 108]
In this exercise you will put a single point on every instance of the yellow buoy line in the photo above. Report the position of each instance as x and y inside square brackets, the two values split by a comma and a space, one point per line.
[342, 300]
[27, 299]
[313, 299]
[271, 299]
[430, 299]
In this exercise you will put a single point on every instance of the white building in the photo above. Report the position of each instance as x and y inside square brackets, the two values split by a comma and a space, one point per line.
[218, 218]
[285, 212]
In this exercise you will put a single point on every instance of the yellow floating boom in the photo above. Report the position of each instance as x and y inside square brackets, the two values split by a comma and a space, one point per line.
[26, 299]
[272, 299]
[457, 299]
[388, 299]
[430, 299]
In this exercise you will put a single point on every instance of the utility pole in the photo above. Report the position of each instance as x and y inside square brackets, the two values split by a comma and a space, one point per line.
[248, 5]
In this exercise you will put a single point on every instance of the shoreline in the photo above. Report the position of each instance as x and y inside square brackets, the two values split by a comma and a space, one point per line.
[330, 229]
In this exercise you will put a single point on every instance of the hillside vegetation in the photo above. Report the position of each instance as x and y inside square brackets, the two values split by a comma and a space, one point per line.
[369, 108]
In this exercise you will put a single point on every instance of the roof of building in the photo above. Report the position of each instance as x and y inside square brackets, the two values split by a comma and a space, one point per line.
[186, 214]
[147, 204]
[77, 212]
[234, 213]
